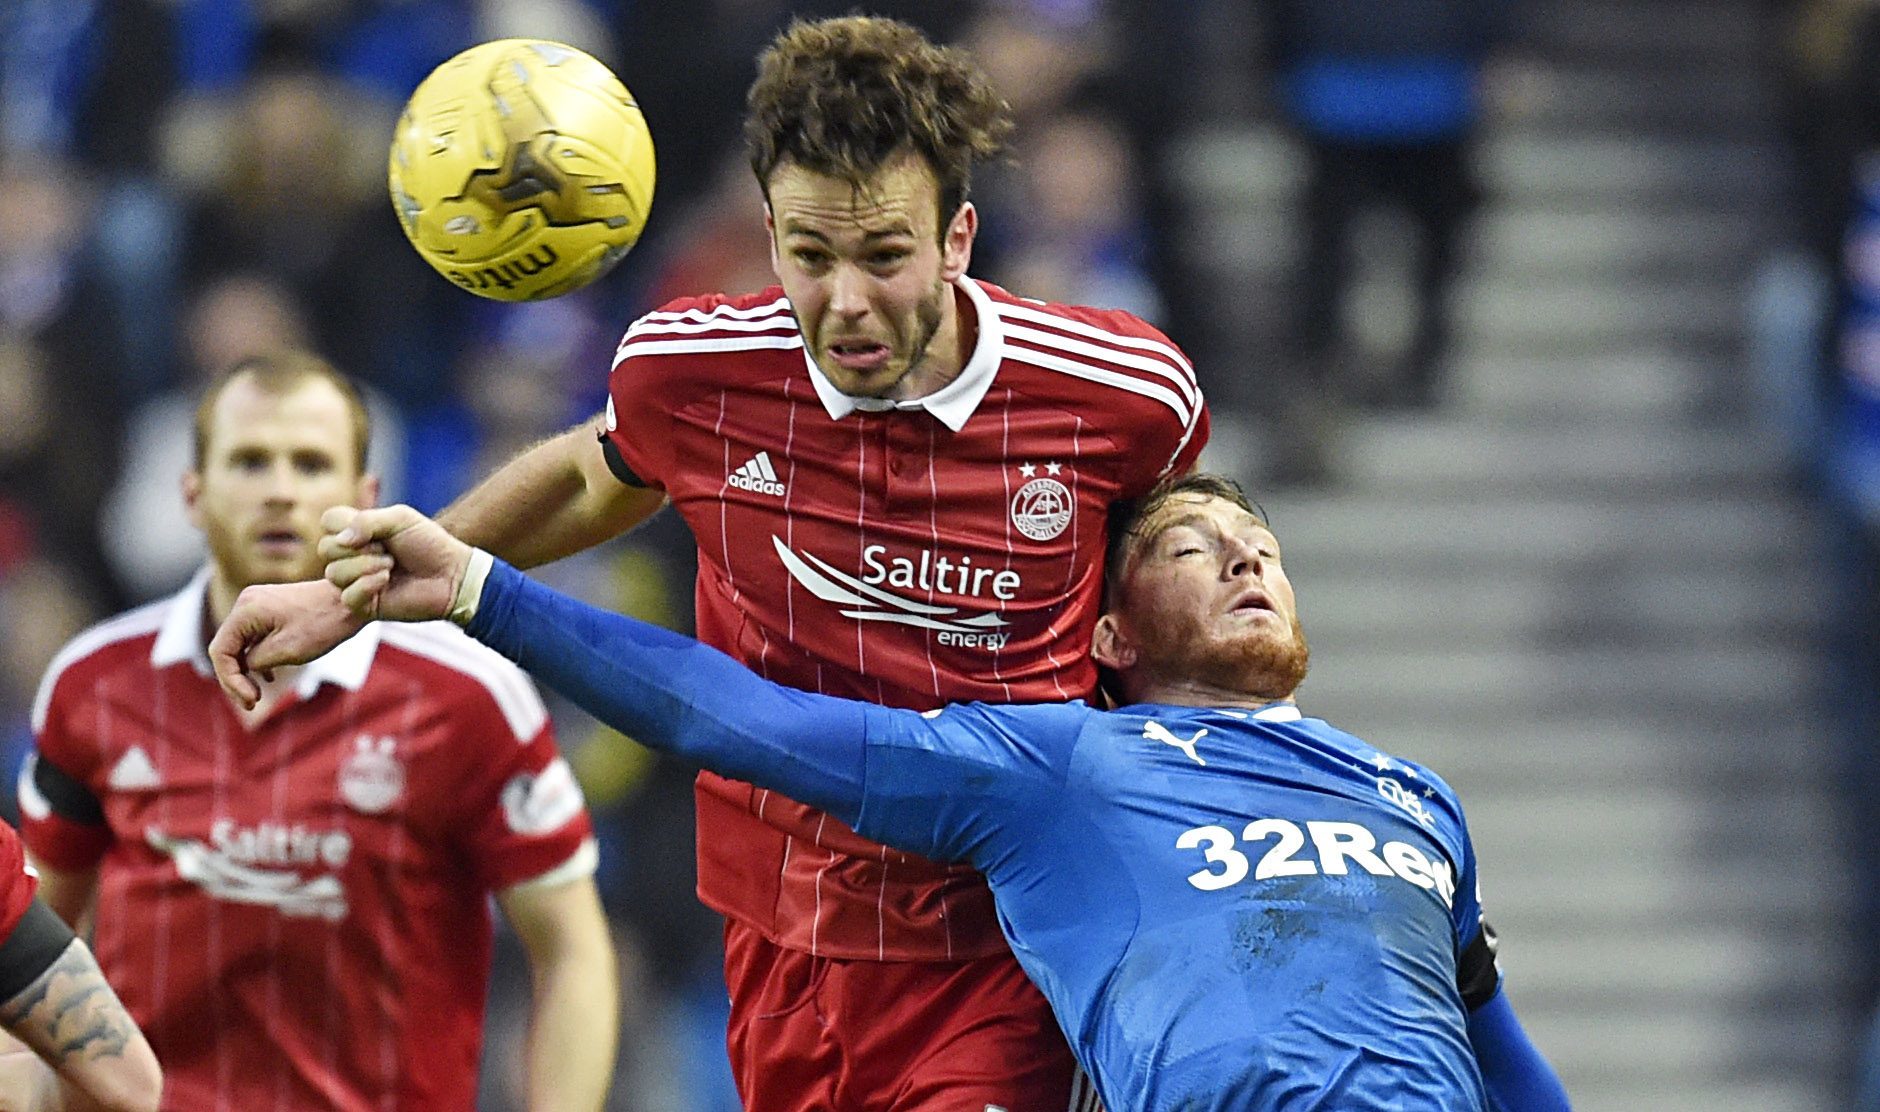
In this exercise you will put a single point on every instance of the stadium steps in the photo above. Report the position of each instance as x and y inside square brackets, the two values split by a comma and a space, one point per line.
[1584, 590]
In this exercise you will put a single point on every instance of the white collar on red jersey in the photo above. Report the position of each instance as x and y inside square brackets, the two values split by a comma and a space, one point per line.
[180, 641]
[953, 403]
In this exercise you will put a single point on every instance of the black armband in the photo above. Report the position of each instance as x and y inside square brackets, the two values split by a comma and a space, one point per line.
[618, 464]
[1477, 973]
[70, 799]
[36, 942]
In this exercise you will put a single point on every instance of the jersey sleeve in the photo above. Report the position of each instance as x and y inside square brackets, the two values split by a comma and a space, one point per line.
[643, 390]
[1478, 968]
[1163, 421]
[523, 817]
[61, 818]
[31, 936]
[954, 784]
[18, 882]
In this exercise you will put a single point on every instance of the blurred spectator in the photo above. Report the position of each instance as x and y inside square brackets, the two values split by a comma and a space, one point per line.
[152, 547]
[288, 177]
[1385, 98]
[59, 364]
[1082, 240]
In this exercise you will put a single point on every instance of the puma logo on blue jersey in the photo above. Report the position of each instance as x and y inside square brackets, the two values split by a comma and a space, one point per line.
[1155, 731]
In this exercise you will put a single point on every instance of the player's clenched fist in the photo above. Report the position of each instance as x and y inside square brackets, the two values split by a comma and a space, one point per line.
[392, 563]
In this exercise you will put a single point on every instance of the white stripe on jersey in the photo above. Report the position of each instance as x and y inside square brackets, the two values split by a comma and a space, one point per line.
[693, 328]
[515, 695]
[1084, 1093]
[1183, 379]
[701, 347]
[1122, 381]
[1065, 324]
[781, 304]
[723, 317]
[135, 623]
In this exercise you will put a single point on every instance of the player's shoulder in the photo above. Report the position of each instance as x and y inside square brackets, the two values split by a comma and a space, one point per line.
[713, 324]
[116, 642]
[1112, 359]
[462, 673]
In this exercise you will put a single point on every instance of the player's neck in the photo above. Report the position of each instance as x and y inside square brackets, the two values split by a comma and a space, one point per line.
[219, 601]
[1197, 693]
[946, 355]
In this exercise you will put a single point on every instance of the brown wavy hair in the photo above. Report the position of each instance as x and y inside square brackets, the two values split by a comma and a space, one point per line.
[845, 97]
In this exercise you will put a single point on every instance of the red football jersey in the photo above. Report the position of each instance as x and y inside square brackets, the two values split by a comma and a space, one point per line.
[910, 554]
[18, 882]
[298, 914]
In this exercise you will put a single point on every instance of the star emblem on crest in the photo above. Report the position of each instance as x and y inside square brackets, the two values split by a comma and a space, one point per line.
[1027, 469]
[1053, 468]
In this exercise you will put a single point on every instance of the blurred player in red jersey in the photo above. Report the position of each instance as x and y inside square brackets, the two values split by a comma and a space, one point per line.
[294, 902]
[897, 477]
[81, 1050]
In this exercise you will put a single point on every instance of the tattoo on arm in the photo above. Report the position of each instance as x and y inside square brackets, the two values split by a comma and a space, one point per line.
[69, 1012]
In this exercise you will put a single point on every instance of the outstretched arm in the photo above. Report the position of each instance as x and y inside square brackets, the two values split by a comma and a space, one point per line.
[1518, 1079]
[664, 689]
[553, 500]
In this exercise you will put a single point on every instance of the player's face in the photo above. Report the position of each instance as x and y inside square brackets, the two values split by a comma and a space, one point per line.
[273, 464]
[1205, 601]
[870, 275]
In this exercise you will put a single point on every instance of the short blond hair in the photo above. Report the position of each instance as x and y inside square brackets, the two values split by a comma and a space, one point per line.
[278, 374]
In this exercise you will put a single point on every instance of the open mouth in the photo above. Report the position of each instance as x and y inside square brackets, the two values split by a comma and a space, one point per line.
[859, 355]
[279, 541]
[1253, 603]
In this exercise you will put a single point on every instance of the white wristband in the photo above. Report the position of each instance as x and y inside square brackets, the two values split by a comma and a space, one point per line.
[470, 588]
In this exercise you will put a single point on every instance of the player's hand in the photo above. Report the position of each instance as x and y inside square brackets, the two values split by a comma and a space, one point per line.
[392, 563]
[273, 626]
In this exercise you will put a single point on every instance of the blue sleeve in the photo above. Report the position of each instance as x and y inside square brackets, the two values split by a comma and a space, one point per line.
[1518, 1079]
[675, 694]
[969, 782]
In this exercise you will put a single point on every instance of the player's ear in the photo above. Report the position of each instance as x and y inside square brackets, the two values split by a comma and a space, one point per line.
[1110, 645]
[770, 240]
[192, 496]
[956, 244]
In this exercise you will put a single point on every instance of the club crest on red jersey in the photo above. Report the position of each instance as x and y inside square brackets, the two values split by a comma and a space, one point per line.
[371, 779]
[1042, 508]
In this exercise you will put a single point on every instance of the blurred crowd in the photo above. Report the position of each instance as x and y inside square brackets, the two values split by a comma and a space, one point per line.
[1816, 316]
[184, 182]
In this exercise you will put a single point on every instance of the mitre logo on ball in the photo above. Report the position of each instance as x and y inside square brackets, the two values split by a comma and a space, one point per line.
[522, 169]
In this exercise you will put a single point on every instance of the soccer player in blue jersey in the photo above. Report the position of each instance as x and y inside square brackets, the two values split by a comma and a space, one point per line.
[1229, 905]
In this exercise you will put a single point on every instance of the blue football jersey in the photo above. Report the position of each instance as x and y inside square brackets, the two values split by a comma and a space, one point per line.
[1226, 909]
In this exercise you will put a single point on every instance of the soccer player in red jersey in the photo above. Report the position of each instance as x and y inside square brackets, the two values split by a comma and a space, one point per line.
[294, 901]
[77, 1047]
[897, 477]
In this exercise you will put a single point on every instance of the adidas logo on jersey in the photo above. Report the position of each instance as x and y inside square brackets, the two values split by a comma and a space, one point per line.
[757, 476]
[134, 772]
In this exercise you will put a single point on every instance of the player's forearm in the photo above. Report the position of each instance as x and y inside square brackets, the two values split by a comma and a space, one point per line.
[671, 692]
[1517, 1077]
[574, 1028]
[551, 501]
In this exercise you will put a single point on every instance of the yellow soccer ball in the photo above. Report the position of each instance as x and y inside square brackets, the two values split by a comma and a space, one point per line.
[522, 169]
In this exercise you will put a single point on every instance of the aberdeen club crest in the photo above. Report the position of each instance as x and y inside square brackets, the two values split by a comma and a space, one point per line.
[1042, 507]
[371, 778]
